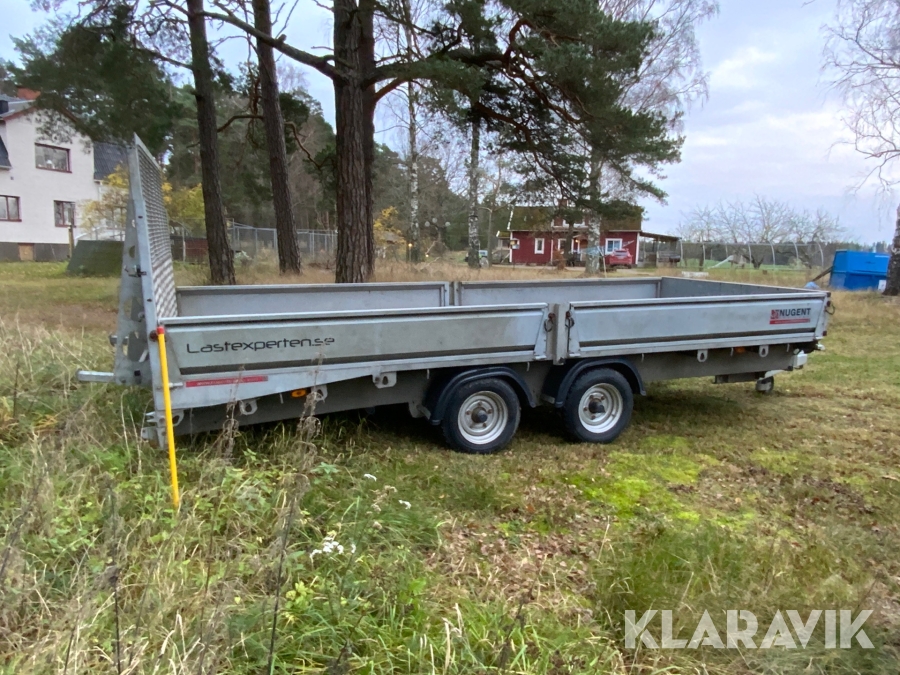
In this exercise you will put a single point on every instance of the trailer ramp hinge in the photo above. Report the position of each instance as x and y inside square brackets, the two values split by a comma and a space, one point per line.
[548, 323]
[570, 320]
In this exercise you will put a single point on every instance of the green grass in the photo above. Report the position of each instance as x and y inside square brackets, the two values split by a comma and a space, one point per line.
[716, 498]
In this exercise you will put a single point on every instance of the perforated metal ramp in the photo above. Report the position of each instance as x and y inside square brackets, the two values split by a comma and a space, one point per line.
[154, 241]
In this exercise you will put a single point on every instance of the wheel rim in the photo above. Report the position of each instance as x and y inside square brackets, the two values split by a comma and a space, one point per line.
[483, 417]
[601, 408]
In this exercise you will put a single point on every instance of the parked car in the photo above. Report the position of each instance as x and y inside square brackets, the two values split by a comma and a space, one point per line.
[620, 258]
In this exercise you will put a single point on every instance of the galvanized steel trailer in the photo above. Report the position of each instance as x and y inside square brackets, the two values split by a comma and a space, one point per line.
[468, 356]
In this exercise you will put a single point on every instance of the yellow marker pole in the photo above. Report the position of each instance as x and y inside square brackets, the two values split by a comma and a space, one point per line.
[167, 401]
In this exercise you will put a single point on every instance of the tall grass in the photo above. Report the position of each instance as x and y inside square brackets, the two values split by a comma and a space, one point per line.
[281, 559]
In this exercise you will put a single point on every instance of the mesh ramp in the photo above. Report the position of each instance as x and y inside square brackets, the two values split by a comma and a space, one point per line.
[154, 239]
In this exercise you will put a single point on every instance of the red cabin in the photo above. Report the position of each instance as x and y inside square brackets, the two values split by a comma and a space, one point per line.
[537, 236]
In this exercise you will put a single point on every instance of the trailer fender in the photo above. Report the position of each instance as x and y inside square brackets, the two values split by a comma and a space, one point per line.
[439, 394]
[561, 379]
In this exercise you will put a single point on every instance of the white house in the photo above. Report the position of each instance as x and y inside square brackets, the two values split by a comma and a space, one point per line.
[44, 185]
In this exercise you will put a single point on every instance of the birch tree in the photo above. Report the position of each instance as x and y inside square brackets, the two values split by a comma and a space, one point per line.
[473, 169]
[669, 79]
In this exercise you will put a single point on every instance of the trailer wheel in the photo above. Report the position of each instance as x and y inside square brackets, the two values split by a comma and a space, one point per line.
[598, 407]
[482, 417]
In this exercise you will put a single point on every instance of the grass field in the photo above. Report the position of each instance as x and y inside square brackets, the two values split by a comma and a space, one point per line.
[362, 545]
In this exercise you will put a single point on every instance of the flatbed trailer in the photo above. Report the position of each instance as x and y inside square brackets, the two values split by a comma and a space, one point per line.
[467, 356]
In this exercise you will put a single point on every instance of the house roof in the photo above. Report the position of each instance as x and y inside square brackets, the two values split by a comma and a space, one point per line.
[532, 218]
[668, 238]
[15, 106]
[107, 158]
[546, 219]
[4, 157]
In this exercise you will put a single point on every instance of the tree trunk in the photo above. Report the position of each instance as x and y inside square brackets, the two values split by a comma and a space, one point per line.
[592, 261]
[273, 121]
[570, 237]
[474, 240]
[355, 141]
[414, 252]
[221, 257]
[893, 274]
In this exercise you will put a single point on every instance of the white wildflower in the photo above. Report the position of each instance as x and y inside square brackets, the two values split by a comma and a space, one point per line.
[405, 503]
[369, 476]
[329, 545]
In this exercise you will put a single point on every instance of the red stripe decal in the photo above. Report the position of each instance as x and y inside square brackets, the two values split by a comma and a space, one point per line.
[776, 322]
[226, 381]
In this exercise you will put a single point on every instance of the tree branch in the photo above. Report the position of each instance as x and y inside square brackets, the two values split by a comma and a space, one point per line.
[320, 63]
[288, 125]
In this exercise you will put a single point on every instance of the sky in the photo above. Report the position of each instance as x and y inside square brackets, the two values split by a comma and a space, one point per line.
[771, 125]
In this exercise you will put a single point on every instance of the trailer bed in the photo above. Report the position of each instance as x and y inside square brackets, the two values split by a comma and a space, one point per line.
[264, 350]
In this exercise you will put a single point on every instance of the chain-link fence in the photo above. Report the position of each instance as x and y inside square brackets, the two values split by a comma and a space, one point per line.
[317, 245]
[707, 254]
[256, 244]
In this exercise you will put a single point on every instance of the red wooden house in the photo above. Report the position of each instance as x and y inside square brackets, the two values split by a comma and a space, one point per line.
[536, 234]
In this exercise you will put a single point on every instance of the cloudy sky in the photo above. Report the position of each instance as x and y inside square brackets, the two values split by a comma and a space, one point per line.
[770, 127]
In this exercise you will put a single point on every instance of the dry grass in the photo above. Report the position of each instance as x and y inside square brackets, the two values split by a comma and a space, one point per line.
[450, 270]
[522, 562]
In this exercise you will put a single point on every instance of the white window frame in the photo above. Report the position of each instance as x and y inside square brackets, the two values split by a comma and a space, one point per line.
[619, 244]
[538, 245]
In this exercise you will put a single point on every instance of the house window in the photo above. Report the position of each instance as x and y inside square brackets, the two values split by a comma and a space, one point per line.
[64, 214]
[576, 246]
[538, 245]
[514, 243]
[9, 208]
[613, 245]
[51, 158]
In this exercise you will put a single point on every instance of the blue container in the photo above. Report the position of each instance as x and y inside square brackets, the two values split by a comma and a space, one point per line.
[859, 271]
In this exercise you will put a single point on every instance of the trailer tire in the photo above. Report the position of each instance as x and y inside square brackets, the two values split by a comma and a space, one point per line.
[482, 416]
[598, 406]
